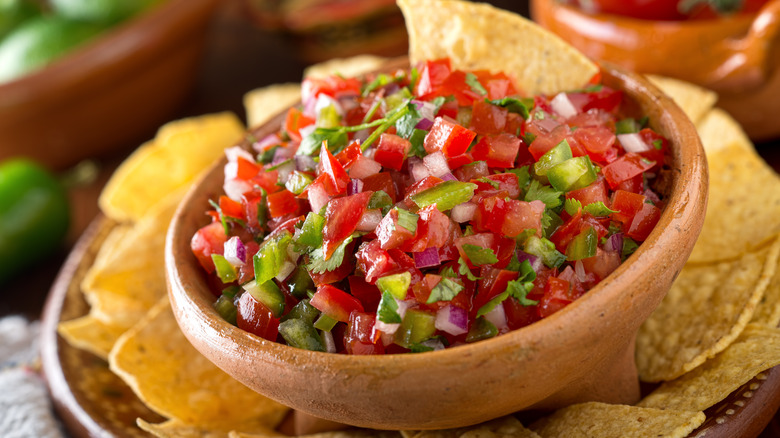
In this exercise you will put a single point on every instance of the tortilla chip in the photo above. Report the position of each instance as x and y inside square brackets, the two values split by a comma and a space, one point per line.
[91, 334]
[177, 429]
[755, 350]
[179, 152]
[347, 433]
[768, 310]
[477, 36]
[130, 275]
[347, 67]
[504, 427]
[719, 130]
[601, 420]
[264, 103]
[743, 210]
[694, 100]
[171, 377]
[707, 307]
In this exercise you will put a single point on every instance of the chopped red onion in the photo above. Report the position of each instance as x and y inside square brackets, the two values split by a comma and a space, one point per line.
[362, 135]
[266, 142]
[417, 168]
[452, 319]
[235, 251]
[497, 316]
[354, 186]
[614, 242]
[448, 177]
[424, 124]
[364, 167]
[436, 163]
[652, 196]
[463, 212]
[425, 109]
[427, 258]
[536, 262]
[562, 106]
[282, 154]
[633, 143]
[304, 163]
[369, 220]
[309, 105]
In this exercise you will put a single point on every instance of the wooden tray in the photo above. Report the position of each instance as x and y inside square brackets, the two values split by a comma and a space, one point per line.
[93, 402]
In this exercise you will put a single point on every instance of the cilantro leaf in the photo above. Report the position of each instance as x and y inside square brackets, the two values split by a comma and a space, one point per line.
[487, 180]
[405, 125]
[514, 105]
[445, 290]
[311, 144]
[380, 81]
[473, 82]
[598, 209]
[463, 269]
[317, 262]
[519, 291]
[572, 206]
[523, 176]
[479, 255]
[387, 311]
[539, 192]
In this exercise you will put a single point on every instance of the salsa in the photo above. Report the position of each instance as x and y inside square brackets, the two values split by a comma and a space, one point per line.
[425, 209]
[668, 10]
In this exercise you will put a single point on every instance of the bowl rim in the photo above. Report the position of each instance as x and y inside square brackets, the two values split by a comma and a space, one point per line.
[120, 44]
[686, 197]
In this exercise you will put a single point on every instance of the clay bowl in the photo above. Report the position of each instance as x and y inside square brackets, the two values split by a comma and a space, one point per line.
[739, 57]
[583, 352]
[109, 92]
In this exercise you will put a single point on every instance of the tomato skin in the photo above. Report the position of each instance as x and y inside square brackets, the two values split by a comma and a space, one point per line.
[231, 208]
[349, 155]
[556, 297]
[207, 241]
[626, 204]
[545, 142]
[333, 175]
[598, 143]
[626, 167]
[508, 217]
[391, 151]
[434, 230]
[368, 294]
[518, 315]
[294, 122]
[432, 76]
[448, 137]
[380, 181]
[374, 261]
[333, 86]
[390, 234]
[493, 282]
[487, 118]
[335, 302]
[246, 169]
[644, 221]
[341, 218]
[254, 317]
[282, 203]
[497, 150]
[596, 192]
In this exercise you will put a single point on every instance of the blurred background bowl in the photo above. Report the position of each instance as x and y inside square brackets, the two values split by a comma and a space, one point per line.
[113, 91]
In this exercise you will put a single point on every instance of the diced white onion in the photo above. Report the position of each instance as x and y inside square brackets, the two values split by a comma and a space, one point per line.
[562, 106]
[285, 170]
[364, 167]
[369, 220]
[307, 130]
[318, 197]
[463, 212]
[434, 343]
[579, 270]
[285, 270]
[266, 142]
[234, 152]
[235, 188]
[436, 163]
[497, 316]
[417, 169]
[324, 101]
[385, 327]
[327, 339]
[633, 143]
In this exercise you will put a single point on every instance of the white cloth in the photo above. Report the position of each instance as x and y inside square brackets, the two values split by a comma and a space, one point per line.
[25, 408]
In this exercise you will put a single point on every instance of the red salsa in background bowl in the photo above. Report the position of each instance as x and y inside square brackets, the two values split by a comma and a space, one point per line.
[461, 264]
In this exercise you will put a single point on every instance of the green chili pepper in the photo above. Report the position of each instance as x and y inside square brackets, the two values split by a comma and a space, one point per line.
[34, 215]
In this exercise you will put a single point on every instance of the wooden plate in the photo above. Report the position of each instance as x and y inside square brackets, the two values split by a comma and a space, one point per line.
[92, 401]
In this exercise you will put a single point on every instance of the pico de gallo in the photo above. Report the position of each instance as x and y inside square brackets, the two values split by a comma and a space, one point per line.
[424, 209]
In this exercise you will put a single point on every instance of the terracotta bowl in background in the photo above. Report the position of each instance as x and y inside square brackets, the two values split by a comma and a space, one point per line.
[113, 90]
[583, 352]
[739, 56]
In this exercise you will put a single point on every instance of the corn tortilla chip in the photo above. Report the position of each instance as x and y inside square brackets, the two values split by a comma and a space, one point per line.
[719, 130]
[90, 334]
[743, 210]
[707, 307]
[504, 427]
[755, 350]
[171, 377]
[177, 429]
[477, 36]
[347, 67]
[130, 277]
[601, 420]
[768, 310]
[347, 433]
[694, 100]
[264, 103]
[179, 152]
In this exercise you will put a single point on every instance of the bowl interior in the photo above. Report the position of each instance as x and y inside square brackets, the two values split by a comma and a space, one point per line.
[550, 363]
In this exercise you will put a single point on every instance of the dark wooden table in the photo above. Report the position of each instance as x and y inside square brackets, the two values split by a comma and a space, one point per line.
[239, 57]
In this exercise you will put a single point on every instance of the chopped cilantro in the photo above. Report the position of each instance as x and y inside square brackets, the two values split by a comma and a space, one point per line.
[317, 262]
[479, 255]
[311, 144]
[405, 125]
[473, 82]
[519, 291]
[463, 269]
[380, 199]
[380, 81]
[539, 192]
[387, 311]
[520, 106]
[598, 209]
[445, 290]
[529, 138]
[572, 206]
[523, 176]
[267, 155]
[418, 143]
[658, 144]
[629, 246]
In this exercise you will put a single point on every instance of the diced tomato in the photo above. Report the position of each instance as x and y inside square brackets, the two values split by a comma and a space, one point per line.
[391, 151]
[508, 217]
[626, 167]
[337, 178]
[423, 184]
[484, 240]
[333, 86]
[544, 143]
[361, 337]
[493, 282]
[518, 315]
[644, 222]
[231, 208]
[487, 118]
[574, 226]
[246, 169]
[556, 297]
[602, 264]
[448, 137]
[449, 109]
[341, 218]
[633, 185]
[294, 122]
[390, 233]
[405, 263]
[626, 204]
[596, 192]
[515, 124]
[497, 150]
[374, 261]
[367, 293]
[335, 302]
[207, 241]
[598, 142]
[349, 155]
[432, 76]
[455, 85]
[380, 181]
[254, 317]
[267, 180]
[282, 203]
[659, 145]
[605, 99]
[434, 230]
[459, 160]
[503, 182]
[497, 85]
[473, 171]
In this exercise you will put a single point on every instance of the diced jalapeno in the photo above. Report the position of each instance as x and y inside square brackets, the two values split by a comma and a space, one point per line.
[574, 173]
[225, 271]
[269, 294]
[300, 333]
[311, 231]
[583, 245]
[553, 157]
[481, 329]
[226, 309]
[445, 195]
[544, 249]
[299, 282]
[396, 284]
[325, 322]
[303, 310]
[417, 326]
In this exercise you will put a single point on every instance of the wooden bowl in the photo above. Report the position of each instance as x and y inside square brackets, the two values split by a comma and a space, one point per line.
[739, 57]
[113, 91]
[583, 352]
